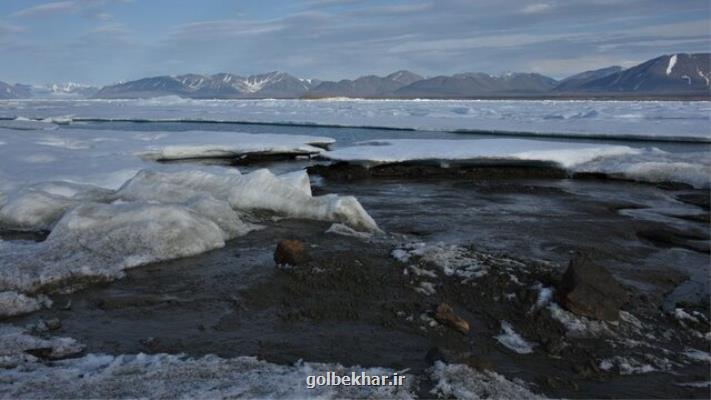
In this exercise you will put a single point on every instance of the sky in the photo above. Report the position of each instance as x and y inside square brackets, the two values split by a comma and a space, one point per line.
[106, 41]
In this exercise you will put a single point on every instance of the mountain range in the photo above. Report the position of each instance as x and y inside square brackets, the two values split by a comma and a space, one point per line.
[668, 76]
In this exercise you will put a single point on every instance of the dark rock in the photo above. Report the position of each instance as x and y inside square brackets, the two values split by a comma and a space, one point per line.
[590, 290]
[53, 324]
[446, 316]
[291, 252]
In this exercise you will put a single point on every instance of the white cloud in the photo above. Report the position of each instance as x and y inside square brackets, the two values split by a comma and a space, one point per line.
[46, 9]
[536, 8]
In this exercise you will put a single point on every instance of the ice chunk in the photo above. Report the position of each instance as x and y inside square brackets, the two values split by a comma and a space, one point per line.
[155, 216]
[512, 340]
[97, 241]
[345, 230]
[16, 344]
[462, 382]
[39, 206]
[13, 303]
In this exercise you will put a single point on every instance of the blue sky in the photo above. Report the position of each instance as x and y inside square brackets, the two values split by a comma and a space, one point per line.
[105, 41]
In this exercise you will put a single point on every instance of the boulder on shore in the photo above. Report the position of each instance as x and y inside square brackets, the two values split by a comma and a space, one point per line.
[291, 252]
[589, 290]
[445, 315]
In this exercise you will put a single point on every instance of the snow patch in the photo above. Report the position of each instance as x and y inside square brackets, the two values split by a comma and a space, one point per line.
[672, 63]
[512, 340]
[578, 326]
[462, 382]
[453, 260]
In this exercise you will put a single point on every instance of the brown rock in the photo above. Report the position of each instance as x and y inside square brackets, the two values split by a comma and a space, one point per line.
[590, 290]
[292, 252]
[445, 315]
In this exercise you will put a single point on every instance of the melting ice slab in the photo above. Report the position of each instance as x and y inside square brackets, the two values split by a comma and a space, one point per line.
[155, 216]
[643, 164]
[108, 158]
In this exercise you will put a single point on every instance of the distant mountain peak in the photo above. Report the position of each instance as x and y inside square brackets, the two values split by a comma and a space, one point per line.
[678, 74]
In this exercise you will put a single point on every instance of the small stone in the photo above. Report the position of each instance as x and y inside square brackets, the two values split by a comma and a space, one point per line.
[590, 290]
[291, 252]
[446, 316]
[53, 324]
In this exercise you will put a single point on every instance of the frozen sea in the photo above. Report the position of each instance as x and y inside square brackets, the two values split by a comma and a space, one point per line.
[103, 186]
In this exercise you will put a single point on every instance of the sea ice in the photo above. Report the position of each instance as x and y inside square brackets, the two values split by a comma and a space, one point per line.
[642, 164]
[657, 120]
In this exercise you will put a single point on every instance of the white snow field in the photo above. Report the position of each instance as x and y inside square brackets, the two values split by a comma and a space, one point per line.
[642, 164]
[657, 120]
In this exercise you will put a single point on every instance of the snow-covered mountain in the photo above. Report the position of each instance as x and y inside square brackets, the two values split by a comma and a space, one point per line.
[270, 85]
[666, 76]
[65, 89]
[8, 91]
[683, 74]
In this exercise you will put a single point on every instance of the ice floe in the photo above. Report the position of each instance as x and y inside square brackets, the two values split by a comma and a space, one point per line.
[642, 164]
[108, 158]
